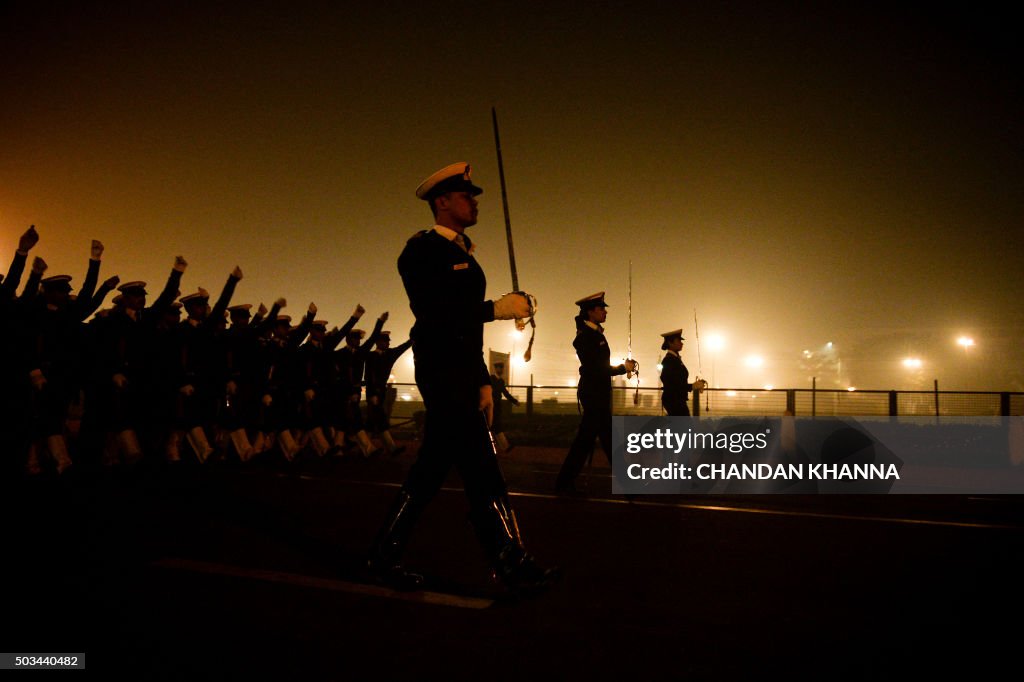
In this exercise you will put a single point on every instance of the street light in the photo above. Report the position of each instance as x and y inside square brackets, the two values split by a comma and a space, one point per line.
[966, 342]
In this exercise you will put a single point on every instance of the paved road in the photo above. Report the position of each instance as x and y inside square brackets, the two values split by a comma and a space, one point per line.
[255, 572]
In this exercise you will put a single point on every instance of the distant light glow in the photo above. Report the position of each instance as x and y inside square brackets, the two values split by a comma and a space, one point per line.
[660, 367]
[769, 387]
[754, 361]
[731, 394]
[716, 342]
[965, 341]
[851, 389]
[912, 363]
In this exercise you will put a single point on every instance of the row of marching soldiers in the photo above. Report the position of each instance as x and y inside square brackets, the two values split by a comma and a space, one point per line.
[173, 378]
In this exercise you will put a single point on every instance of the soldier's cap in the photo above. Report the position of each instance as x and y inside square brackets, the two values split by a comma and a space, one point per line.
[384, 335]
[592, 301]
[175, 306]
[358, 333]
[117, 300]
[283, 319]
[133, 288]
[200, 296]
[241, 308]
[57, 282]
[453, 178]
[668, 336]
[320, 323]
[499, 363]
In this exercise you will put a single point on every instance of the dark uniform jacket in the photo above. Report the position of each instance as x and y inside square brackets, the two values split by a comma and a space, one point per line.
[675, 381]
[446, 289]
[596, 372]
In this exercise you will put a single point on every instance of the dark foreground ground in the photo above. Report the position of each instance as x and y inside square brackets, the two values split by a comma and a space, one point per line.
[255, 572]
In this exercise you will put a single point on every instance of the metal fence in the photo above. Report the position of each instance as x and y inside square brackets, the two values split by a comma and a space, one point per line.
[741, 402]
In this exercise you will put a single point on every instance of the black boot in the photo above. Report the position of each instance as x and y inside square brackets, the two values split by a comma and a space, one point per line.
[385, 555]
[498, 531]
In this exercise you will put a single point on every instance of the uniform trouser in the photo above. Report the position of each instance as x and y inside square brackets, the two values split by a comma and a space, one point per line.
[595, 424]
[676, 408]
[455, 435]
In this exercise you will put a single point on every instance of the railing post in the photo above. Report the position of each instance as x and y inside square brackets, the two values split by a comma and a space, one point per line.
[529, 401]
[791, 401]
[893, 404]
[814, 396]
[936, 397]
[1004, 404]
[696, 403]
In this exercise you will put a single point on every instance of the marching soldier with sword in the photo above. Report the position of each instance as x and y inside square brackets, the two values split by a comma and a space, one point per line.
[446, 288]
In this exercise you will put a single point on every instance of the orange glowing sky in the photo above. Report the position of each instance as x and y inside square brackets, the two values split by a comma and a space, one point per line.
[797, 176]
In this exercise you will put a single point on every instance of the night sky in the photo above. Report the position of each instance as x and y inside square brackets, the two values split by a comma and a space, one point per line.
[796, 174]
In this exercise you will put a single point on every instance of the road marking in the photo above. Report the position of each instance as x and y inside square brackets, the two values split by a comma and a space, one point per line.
[725, 508]
[423, 597]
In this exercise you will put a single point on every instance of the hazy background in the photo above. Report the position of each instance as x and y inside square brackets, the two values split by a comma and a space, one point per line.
[797, 175]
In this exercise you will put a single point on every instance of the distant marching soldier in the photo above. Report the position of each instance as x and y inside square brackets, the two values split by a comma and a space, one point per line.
[281, 379]
[378, 374]
[317, 373]
[16, 385]
[500, 391]
[129, 346]
[594, 390]
[351, 361]
[242, 362]
[675, 377]
[446, 288]
[322, 397]
[202, 375]
[53, 354]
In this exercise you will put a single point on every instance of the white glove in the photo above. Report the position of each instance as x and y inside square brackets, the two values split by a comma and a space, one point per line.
[280, 303]
[512, 306]
[97, 250]
[358, 312]
[237, 272]
[120, 380]
[187, 390]
[180, 263]
[267, 400]
[309, 394]
[231, 388]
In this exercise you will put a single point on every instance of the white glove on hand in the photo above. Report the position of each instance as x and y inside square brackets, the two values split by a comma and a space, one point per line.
[187, 390]
[512, 306]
